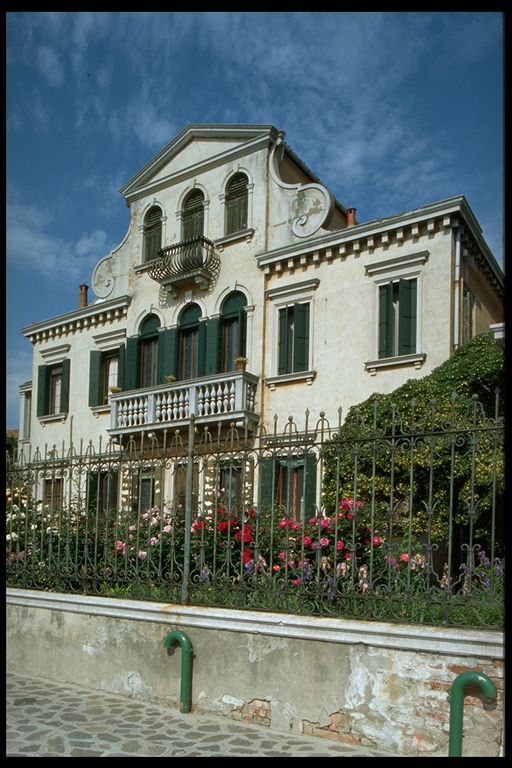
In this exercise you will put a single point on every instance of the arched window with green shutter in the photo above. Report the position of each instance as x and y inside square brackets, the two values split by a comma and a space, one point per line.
[152, 233]
[191, 343]
[193, 215]
[148, 356]
[236, 203]
[233, 330]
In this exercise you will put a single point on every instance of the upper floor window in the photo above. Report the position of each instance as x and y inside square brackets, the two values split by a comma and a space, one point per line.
[149, 351]
[193, 215]
[397, 318]
[189, 343]
[233, 341]
[236, 203]
[53, 389]
[293, 338]
[152, 233]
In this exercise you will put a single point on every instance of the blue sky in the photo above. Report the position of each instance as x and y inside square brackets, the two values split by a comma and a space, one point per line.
[391, 110]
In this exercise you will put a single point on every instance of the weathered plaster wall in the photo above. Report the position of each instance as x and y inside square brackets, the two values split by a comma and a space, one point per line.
[356, 682]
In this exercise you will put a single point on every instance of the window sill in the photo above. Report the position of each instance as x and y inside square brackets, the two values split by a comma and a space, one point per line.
[99, 409]
[290, 378]
[52, 417]
[416, 359]
[244, 234]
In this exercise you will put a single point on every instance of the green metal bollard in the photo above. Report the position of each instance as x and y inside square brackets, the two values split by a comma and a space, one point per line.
[456, 699]
[179, 638]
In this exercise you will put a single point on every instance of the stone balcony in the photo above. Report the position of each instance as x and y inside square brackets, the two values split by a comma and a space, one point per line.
[223, 397]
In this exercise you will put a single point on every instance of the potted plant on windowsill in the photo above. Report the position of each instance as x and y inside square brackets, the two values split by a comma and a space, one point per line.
[169, 378]
[240, 363]
[114, 390]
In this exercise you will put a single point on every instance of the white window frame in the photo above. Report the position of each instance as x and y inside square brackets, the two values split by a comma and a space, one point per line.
[280, 298]
[407, 267]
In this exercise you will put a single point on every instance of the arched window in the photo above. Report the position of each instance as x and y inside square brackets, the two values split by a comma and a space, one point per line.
[149, 351]
[193, 215]
[152, 233]
[189, 342]
[236, 203]
[233, 330]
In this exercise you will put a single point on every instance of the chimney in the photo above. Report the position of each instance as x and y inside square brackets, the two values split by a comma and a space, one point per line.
[351, 217]
[83, 295]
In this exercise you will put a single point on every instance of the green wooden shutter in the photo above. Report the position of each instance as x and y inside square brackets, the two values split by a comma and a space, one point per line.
[167, 353]
[310, 485]
[121, 364]
[236, 204]
[301, 337]
[201, 348]
[64, 392]
[242, 333]
[42, 390]
[386, 320]
[267, 482]
[94, 377]
[407, 317]
[131, 374]
[283, 340]
[92, 492]
[193, 215]
[213, 346]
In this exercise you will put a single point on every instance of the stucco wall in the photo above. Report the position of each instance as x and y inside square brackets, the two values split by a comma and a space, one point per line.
[357, 682]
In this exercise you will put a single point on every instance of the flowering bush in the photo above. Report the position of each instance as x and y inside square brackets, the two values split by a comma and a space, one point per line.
[334, 564]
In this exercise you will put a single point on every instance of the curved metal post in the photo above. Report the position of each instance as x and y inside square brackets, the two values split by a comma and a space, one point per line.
[456, 699]
[179, 638]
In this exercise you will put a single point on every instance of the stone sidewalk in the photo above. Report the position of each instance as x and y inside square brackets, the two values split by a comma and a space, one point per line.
[50, 719]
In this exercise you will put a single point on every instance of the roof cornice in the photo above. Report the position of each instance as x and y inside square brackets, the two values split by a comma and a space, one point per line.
[364, 236]
[86, 317]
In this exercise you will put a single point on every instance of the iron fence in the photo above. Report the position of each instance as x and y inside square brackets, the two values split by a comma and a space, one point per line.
[397, 517]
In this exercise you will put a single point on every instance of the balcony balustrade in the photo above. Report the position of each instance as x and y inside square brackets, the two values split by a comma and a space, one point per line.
[228, 397]
[191, 262]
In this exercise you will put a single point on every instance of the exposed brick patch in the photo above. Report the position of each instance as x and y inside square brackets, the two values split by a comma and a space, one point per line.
[338, 729]
[257, 711]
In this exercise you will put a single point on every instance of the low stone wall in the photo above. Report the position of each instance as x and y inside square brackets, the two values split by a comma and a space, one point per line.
[358, 682]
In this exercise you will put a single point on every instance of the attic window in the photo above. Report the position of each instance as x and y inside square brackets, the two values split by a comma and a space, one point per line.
[152, 233]
[236, 203]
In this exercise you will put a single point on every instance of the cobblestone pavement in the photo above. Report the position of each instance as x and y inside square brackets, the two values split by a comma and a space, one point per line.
[50, 719]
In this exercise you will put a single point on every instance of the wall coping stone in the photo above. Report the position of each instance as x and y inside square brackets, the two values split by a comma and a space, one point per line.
[456, 641]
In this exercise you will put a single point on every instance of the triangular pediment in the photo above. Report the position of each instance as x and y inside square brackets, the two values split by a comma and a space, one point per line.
[196, 148]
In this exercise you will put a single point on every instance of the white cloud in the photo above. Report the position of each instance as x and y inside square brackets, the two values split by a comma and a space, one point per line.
[31, 248]
[50, 66]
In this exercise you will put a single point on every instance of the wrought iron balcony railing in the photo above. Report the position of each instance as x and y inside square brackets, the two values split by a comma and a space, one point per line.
[220, 397]
[191, 261]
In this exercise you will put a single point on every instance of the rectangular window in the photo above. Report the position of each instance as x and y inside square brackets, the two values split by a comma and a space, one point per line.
[290, 483]
[27, 409]
[53, 389]
[468, 308]
[149, 360]
[293, 338]
[52, 494]
[110, 372]
[188, 353]
[397, 318]
[102, 492]
[180, 486]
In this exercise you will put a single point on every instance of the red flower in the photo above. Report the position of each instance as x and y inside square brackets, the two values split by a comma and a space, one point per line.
[246, 555]
[247, 534]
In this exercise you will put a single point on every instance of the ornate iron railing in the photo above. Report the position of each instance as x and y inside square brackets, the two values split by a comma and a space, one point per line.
[402, 520]
[192, 260]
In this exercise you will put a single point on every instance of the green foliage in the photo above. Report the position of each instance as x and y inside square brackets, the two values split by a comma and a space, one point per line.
[428, 450]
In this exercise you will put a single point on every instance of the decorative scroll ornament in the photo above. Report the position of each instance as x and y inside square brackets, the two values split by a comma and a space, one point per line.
[312, 205]
[102, 280]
